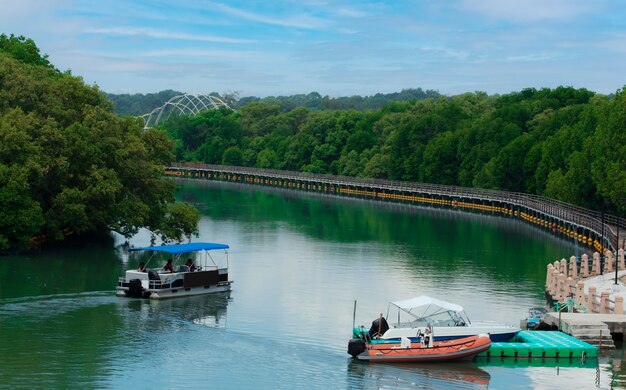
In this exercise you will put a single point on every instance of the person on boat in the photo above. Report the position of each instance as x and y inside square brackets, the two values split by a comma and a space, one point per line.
[428, 334]
[169, 266]
[191, 265]
[142, 267]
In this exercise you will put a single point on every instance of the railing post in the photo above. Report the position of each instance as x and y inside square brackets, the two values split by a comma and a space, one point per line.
[573, 267]
[563, 266]
[591, 300]
[555, 283]
[619, 305]
[561, 289]
[580, 293]
[620, 256]
[596, 264]
[604, 302]
[549, 278]
[584, 262]
[569, 289]
[608, 265]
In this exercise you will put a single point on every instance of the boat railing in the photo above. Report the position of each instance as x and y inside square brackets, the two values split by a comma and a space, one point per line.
[158, 285]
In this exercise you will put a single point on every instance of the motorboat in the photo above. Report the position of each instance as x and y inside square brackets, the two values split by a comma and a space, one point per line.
[414, 352]
[535, 317]
[208, 274]
[448, 321]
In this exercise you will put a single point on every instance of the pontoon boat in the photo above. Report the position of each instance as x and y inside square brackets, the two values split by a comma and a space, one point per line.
[208, 275]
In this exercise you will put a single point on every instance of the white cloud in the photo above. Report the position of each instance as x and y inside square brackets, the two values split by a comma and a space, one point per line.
[350, 13]
[530, 10]
[12, 10]
[240, 57]
[615, 43]
[302, 21]
[151, 33]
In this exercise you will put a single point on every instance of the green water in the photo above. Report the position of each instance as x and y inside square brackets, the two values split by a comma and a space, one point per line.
[299, 261]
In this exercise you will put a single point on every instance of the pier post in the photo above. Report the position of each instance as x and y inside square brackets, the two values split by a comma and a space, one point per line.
[569, 287]
[573, 267]
[580, 293]
[596, 264]
[555, 283]
[584, 262]
[608, 266]
[591, 300]
[620, 256]
[563, 266]
[604, 302]
[549, 278]
[561, 289]
[619, 305]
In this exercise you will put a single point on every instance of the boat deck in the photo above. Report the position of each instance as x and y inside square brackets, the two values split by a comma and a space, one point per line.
[542, 344]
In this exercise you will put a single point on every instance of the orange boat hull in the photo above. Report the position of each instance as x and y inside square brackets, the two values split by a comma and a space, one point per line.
[440, 351]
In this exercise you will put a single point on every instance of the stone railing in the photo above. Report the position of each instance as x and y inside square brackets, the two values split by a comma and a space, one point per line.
[565, 281]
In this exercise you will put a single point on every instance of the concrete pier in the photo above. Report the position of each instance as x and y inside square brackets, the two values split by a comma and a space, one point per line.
[595, 329]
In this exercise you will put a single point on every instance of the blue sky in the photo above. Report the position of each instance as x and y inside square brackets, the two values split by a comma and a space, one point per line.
[336, 48]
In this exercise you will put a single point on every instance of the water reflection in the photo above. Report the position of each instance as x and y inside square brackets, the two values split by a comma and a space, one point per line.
[426, 238]
[557, 363]
[207, 310]
[432, 376]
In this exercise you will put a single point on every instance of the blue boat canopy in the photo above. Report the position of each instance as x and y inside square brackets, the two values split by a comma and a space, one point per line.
[183, 248]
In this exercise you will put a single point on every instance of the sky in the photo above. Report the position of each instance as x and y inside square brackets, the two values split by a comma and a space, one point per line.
[335, 48]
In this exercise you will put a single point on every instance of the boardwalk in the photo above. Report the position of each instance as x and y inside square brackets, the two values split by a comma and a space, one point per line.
[577, 223]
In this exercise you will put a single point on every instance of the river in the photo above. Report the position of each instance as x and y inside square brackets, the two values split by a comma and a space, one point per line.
[299, 262]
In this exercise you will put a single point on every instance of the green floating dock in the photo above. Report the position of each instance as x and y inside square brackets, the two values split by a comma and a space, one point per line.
[542, 344]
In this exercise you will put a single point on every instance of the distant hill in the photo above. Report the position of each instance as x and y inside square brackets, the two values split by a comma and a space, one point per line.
[139, 104]
[315, 101]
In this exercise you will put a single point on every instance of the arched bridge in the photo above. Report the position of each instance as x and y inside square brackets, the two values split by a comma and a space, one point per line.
[187, 104]
[588, 227]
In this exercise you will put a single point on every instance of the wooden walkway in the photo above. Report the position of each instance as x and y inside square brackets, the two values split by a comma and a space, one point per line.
[585, 226]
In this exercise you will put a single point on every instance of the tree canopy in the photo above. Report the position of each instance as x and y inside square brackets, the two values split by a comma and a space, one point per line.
[69, 165]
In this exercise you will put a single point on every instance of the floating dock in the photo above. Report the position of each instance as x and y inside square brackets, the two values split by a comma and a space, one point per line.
[542, 344]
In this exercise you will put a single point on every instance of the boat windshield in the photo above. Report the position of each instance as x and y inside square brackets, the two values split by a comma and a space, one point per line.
[537, 312]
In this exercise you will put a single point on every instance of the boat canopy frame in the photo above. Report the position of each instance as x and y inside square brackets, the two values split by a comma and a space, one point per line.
[178, 250]
[425, 309]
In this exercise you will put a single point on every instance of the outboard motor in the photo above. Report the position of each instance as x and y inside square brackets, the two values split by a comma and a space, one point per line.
[379, 327]
[134, 288]
[355, 347]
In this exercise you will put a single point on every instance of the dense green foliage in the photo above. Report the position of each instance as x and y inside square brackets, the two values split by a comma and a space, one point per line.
[69, 165]
[565, 143]
[24, 50]
[139, 104]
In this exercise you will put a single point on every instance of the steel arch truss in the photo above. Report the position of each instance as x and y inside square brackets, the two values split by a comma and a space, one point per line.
[187, 104]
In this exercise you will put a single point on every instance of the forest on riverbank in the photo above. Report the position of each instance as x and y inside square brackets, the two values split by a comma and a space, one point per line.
[70, 166]
[565, 143]
[138, 104]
